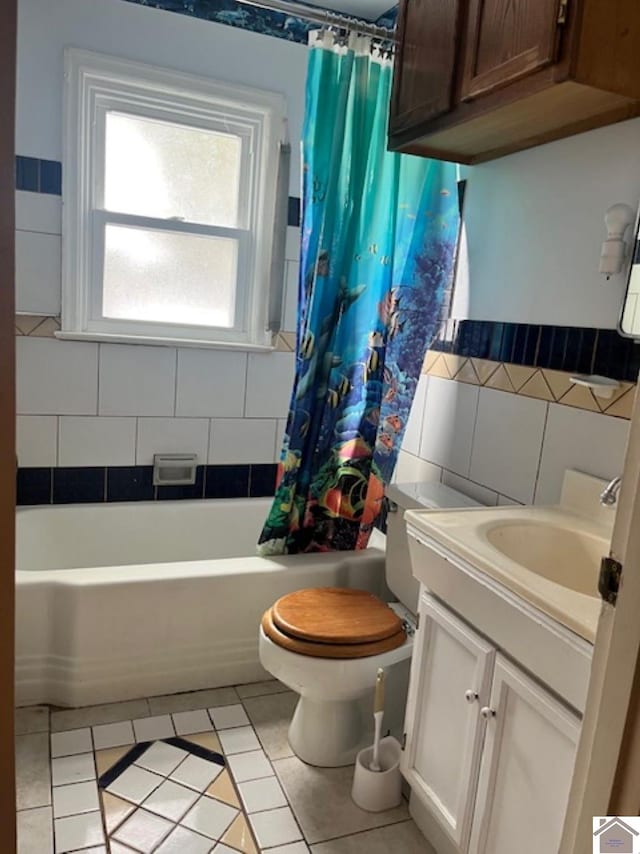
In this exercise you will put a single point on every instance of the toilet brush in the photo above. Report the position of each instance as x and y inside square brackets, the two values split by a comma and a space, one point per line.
[378, 714]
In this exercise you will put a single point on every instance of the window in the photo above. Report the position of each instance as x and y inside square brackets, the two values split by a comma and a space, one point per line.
[170, 202]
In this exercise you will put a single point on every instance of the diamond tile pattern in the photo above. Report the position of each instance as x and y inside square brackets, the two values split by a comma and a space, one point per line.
[547, 384]
[209, 789]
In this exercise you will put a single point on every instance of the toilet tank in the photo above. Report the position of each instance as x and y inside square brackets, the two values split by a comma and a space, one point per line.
[412, 496]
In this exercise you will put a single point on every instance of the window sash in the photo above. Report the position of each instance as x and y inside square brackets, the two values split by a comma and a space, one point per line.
[99, 323]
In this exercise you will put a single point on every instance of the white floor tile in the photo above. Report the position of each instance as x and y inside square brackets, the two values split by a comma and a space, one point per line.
[71, 742]
[226, 717]
[238, 740]
[259, 689]
[171, 800]
[161, 758]
[292, 848]
[143, 831]
[78, 831]
[150, 729]
[183, 841]
[108, 713]
[116, 848]
[210, 818]
[221, 848]
[259, 795]
[32, 718]
[275, 827]
[35, 831]
[196, 773]
[135, 784]
[113, 735]
[187, 723]
[73, 769]
[74, 799]
[249, 766]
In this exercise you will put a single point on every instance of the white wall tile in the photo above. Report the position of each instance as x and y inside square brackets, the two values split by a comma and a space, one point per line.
[38, 272]
[290, 302]
[292, 245]
[280, 428]
[172, 436]
[38, 212]
[507, 443]
[242, 440]
[449, 418]
[472, 490]
[37, 440]
[94, 441]
[591, 443]
[136, 380]
[56, 377]
[413, 431]
[211, 383]
[411, 469]
[269, 384]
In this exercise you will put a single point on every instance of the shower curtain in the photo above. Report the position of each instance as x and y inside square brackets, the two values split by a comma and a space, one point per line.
[379, 232]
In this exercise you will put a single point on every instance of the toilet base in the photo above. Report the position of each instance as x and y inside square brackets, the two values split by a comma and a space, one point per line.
[327, 734]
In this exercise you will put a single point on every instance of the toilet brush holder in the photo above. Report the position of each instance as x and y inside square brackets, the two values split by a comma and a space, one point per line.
[376, 791]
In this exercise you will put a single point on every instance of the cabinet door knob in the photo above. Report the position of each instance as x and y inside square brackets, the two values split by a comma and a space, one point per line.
[487, 712]
[470, 696]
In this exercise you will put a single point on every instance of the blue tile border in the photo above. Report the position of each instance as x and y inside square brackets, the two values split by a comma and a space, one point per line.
[38, 176]
[562, 348]
[98, 484]
[45, 176]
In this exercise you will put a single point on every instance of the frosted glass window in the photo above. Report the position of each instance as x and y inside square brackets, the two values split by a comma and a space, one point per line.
[169, 277]
[163, 170]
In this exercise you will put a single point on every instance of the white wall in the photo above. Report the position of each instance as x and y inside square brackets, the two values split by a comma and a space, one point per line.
[501, 448]
[144, 34]
[534, 227]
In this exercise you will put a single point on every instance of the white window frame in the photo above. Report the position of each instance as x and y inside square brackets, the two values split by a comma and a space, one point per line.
[96, 84]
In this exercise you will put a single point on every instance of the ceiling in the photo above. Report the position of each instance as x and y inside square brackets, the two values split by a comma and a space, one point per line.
[367, 10]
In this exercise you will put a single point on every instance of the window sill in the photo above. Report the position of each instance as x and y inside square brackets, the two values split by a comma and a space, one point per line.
[106, 338]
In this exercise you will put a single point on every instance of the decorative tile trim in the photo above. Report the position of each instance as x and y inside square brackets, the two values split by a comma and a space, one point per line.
[543, 384]
[560, 348]
[100, 484]
[37, 325]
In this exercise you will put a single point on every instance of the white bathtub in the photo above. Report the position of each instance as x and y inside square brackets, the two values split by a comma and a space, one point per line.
[116, 601]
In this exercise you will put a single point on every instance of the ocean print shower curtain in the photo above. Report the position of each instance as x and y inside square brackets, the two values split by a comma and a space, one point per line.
[379, 232]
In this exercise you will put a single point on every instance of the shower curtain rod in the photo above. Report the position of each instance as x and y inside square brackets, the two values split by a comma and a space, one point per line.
[326, 17]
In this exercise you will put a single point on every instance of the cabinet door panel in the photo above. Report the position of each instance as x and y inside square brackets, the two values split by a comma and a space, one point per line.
[425, 61]
[506, 40]
[526, 770]
[444, 729]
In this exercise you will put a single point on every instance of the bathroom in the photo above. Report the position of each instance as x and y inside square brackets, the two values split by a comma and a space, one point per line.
[105, 661]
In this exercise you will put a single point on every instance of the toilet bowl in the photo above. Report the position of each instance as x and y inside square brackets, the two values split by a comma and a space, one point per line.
[327, 644]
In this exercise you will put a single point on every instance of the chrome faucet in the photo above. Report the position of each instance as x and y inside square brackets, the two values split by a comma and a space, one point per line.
[609, 494]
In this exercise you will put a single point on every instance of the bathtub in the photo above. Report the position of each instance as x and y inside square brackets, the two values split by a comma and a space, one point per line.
[125, 600]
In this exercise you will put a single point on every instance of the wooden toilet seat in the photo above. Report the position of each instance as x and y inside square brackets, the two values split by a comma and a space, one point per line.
[333, 622]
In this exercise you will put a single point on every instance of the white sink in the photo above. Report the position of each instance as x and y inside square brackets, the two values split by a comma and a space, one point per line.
[567, 557]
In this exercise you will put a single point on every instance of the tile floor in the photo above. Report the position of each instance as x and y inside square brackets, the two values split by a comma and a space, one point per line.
[209, 772]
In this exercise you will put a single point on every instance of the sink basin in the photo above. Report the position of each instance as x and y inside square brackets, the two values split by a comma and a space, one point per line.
[567, 557]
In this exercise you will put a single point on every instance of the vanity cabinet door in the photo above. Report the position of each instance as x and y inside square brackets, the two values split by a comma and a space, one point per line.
[527, 765]
[450, 682]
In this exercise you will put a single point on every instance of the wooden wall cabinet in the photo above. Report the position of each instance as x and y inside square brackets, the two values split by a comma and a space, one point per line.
[478, 79]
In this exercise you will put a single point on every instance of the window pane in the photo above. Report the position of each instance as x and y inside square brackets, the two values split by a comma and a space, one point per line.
[167, 277]
[164, 170]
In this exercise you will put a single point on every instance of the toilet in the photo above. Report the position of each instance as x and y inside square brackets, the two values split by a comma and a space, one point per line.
[327, 643]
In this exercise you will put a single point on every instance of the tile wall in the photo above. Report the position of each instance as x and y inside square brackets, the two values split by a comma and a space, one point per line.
[92, 415]
[499, 434]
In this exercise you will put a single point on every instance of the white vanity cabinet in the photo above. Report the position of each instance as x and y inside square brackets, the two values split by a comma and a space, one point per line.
[489, 752]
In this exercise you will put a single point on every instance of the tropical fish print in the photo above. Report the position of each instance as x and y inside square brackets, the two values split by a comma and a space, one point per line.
[375, 271]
